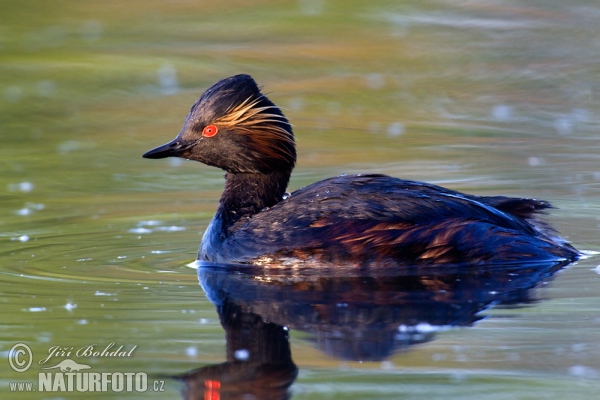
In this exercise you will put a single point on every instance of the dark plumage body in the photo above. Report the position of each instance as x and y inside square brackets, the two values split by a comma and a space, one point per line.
[362, 220]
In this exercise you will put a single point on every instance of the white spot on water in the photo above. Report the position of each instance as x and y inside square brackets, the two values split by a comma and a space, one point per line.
[191, 351]
[13, 94]
[70, 306]
[167, 79]
[21, 187]
[23, 211]
[99, 293]
[194, 264]
[46, 88]
[241, 355]
[583, 371]
[424, 327]
[160, 251]
[175, 161]
[395, 129]
[91, 30]
[68, 146]
[311, 7]
[295, 104]
[23, 238]
[501, 113]
[563, 125]
[535, 162]
[375, 81]
[37, 309]
[82, 322]
[140, 230]
[171, 228]
[387, 365]
[149, 223]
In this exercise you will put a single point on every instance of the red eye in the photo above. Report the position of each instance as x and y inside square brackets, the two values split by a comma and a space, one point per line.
[210, 131]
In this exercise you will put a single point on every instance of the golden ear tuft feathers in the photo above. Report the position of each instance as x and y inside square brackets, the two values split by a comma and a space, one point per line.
[268, 131]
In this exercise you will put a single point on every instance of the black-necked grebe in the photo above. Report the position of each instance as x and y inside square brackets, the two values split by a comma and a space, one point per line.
[362, 220]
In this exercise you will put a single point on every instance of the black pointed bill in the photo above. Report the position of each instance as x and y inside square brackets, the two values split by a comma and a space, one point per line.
[174, 148]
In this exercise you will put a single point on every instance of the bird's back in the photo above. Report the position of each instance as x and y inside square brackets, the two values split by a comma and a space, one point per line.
[377, 220]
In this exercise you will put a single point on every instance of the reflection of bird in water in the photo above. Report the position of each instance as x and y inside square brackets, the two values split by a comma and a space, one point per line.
[361, 220]
[359, 317]
[259, 361]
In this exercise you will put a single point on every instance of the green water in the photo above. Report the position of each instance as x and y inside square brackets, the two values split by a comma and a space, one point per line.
[484, 97]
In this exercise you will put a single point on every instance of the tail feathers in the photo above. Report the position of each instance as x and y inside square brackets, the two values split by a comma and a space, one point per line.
[524, 208]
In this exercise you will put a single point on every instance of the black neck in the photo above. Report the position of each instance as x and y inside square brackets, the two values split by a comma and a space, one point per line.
[246, 194]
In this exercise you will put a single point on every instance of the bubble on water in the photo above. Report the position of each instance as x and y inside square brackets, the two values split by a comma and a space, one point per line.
[99, 293]
[37, 309]
[23, 238]
[23, 211]
[70, 306]
[82, 322]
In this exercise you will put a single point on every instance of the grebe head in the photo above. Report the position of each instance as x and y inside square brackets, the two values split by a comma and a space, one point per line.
[235, 127]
